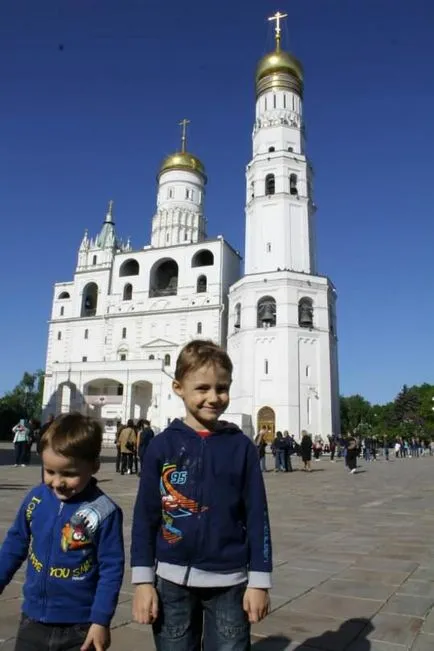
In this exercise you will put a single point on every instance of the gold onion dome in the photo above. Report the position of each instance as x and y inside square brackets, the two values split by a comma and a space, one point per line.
[279, 69]
[182, 160]
[279, 61]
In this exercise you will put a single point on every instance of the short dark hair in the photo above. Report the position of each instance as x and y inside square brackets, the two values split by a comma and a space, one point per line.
[198, 353]
[75, 436]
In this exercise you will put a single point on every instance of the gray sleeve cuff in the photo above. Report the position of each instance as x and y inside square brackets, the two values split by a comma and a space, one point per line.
[259, 580]
[142, 575]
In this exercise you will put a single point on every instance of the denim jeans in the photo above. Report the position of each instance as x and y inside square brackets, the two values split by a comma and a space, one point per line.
[35, 636]
[189, 615]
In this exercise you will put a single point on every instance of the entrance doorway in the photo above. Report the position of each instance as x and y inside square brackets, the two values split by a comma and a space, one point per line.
[267, 421]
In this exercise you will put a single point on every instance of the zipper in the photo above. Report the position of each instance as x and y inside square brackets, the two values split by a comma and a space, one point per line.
[199, 504]
[47, 560]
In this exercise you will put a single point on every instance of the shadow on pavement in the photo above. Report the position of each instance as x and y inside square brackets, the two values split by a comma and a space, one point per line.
[351, 634]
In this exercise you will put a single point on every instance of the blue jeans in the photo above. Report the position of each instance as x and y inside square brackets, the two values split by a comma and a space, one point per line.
[35, 636]
[188, 615]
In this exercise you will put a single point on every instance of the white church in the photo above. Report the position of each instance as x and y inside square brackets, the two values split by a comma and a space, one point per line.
[117, 327]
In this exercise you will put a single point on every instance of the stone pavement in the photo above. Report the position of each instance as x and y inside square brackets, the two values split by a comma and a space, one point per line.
[354, 557]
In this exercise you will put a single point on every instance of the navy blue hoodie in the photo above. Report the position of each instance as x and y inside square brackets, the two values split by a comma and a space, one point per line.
[201, 505]
[75, 556]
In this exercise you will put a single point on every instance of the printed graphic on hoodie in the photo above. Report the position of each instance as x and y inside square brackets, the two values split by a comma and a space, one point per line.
[174, 504]
[82, 527]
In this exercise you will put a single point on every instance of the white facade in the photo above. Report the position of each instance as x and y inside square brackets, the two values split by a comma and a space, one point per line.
[116, 328]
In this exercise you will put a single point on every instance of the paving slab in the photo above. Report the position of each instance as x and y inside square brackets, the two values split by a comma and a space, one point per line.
[354, 560]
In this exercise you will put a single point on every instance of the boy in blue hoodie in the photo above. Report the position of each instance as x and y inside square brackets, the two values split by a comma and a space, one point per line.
[71, 534]
[201, 548]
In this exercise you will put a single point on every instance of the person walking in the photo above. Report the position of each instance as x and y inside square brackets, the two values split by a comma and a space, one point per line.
[261, 446]
[306, 451]
[21, 443]
[352, 454]
[128, 443]
[144, 437]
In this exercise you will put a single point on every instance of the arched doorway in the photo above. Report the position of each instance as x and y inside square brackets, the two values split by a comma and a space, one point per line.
[267, 420]
[141, 399]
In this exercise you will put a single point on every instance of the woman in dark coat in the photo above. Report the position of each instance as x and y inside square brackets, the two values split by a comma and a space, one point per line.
[306, 451]
[352, 454]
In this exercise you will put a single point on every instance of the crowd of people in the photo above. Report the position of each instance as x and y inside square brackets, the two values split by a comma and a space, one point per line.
[132, 441]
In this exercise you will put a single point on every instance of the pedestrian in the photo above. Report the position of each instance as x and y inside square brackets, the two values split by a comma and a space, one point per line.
[71, 533]
[306, 451]
[128, 444]
[119, 428]
[351, 456]
[201, 519]
[21, 443]
[332, 445]
[277, 449]
[144, 437]
[288, 451]
[261, 446]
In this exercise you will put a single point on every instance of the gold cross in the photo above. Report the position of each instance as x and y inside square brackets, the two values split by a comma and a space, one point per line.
[277, 18]
[184, 124]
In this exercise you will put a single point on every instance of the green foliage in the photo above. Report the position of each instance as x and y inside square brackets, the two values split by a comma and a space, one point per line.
[24, 401]
[410, 414]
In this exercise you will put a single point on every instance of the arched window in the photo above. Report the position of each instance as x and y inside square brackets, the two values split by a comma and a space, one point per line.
[293, 184]
[271, 149]
[237, 319]
[90, 300]
[290, 148]
[62, 311]
[124, 333]
[164, 278]
[270, 184]
[265, 366]
[167, 360]
[59, 336]
[266, 312]
[199, 328]
[305, 312]
[129, 268]
[201, 285]
[151, 357]
[203, 258]
[63, 296]
[86, 334]
[94, 259]
[128, 292]
[122, 357]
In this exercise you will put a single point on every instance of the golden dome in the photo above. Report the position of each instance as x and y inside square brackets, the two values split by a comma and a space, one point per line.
[182, 160]
[279, 61]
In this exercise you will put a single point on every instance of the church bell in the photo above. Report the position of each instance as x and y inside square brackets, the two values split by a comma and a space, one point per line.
[267, 316]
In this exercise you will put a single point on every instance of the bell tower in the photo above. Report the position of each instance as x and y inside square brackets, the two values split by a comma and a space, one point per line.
[280, 230]
[282, 335]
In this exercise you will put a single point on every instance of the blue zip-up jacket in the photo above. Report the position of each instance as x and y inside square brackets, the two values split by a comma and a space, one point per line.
[201, 504]
[75, 556]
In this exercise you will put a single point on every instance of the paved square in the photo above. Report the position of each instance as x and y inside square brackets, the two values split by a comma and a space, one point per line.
[354, 557]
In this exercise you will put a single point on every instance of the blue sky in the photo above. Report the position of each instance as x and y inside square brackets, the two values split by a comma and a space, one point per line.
[91, 93]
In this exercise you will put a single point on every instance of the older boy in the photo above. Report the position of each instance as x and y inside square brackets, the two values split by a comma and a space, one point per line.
[201, 519]
[71, 533]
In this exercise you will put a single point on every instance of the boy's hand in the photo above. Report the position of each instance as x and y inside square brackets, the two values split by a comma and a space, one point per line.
[256, 604]
[98, 638]
[145, 604]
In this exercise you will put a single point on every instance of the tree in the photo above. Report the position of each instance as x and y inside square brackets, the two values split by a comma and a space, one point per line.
[406, 412]
[24, 401]
[355, 411]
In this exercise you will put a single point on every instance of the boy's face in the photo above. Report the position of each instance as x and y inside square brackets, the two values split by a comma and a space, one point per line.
[205, 393]
[66, 476]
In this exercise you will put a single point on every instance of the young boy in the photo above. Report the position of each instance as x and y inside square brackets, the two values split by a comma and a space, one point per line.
[201, 519]
[71, 534]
